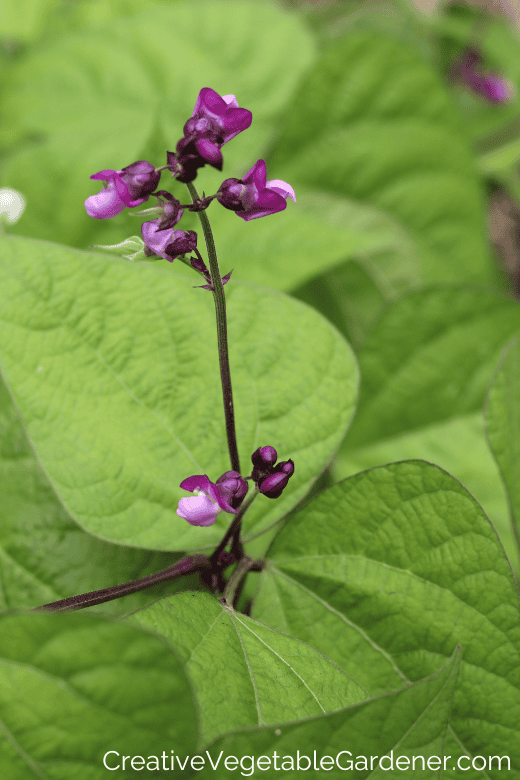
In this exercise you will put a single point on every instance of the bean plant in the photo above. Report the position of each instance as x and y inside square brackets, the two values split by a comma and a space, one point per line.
[259, 448]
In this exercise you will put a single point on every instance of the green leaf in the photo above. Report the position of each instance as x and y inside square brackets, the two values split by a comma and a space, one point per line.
[74, 687]
[429, 359]
[397, 566]
[44, 555]
[113, 367]
[459, 446]
[371, 728]
[502, 415]
[372, 122]
[122, 91]
[263, 676]
[24, 20]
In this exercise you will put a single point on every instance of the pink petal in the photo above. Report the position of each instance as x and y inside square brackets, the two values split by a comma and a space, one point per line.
[198, 510]
[230, 100]
[282, 188]
[104, 204]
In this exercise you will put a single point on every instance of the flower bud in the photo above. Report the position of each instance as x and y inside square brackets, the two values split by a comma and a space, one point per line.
[264, 458]
[285, 467]
[273, 486]
[232, 487]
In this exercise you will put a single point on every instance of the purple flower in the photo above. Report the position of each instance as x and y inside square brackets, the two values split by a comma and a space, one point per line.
[130, 187]
[253, 196]
[210, 499]
[167, 242]
[492, 88]
[214, 122]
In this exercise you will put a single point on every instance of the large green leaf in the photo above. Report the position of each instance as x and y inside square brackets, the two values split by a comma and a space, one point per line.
[502, 415]
[386, 573]
[122, 91]
[372, 122]
[459, 446]
[243, 672]
[46, 556]
[429, 359]
[410, 722]
[114, 369]
[74, 687]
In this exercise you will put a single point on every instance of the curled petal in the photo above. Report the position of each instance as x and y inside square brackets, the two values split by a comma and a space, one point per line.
[198, 510]
[105, 204]
[282, 188]
[230, 101]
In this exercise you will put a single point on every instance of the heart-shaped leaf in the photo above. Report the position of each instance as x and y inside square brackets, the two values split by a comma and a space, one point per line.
[397, 566]
[243, 672]
[114, 369]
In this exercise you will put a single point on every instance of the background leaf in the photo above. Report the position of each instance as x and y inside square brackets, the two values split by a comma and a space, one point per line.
[411, 721]
[502, 416]
[114, 369]
[397, 566]
[74, 687]
[380, 129]
[258, 676]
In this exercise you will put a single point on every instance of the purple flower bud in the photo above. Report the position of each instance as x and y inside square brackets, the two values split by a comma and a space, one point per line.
[130, 187]
[493, 88]
[273, 485]
[264, 458]
[203, 508]
[253, 196]
[167, 242]
[214, 122]
[232, 487]
[285, 467]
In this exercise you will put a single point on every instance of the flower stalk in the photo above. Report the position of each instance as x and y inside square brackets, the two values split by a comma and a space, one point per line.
[220, 311]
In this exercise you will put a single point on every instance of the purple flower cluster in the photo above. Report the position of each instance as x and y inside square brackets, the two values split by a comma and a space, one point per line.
[270, 479]
[214, 122]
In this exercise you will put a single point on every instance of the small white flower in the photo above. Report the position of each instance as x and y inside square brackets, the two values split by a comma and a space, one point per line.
[12, 204]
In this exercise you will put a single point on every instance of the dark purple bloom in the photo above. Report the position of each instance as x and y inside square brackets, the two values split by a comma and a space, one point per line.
[130, 187]
[232, 487]
[167, 242]
[492, 88]
[273, 486]
[210, 499]
[214, 122]
[253, 196]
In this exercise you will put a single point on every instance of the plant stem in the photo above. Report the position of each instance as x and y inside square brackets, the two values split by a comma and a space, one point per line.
[220, 311]
[233, 532]
[188, 565]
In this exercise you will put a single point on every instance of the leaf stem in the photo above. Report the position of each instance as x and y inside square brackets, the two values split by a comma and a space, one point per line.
[188, 565]
[220, 311]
